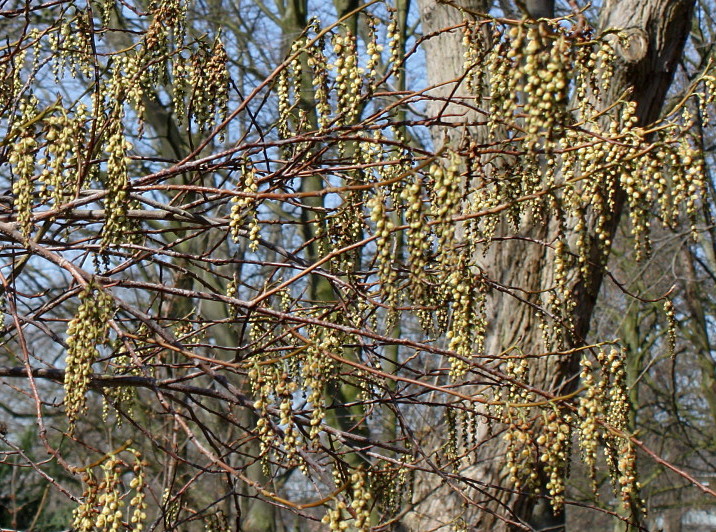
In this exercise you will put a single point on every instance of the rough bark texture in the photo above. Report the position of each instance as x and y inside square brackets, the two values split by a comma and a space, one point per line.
[659, 29]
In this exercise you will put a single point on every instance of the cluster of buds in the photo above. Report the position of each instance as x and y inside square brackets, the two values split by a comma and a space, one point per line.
[339, 518]
[210, 82]
[169, 16]
[607, 401]
[474, 57]
[336, 518]
[120, 395]
[594, 68]
[240, 204]
[619, 451]
[283, 391]
[290, 79]
[452, 443]
[418, 238]
[561, 299]
[546, 67]
[110, 515]
[689, 181]
[605, 58]
[529, 69]
[181, 77]
[590, 409]
[318, 63]
[500, 72]
[390, 486]
[348, 76]
[11, 83]
[468, 323]
[373, 52]
[190, 332]
[283, 94]
[271, 383]
[384, 227]
[361, 496]
[594, 196]
[85, 331]
[394, 41]
[116, 225]
[317, 370]
[554, 442]
[62, 151]
[83, 517]
[129, 78]
[519, 458]
[171, 506]
[446, 199]
[22, 157]
[261, 377]
[217, 523]
[72, 47]
[138, 484]
[102, 502]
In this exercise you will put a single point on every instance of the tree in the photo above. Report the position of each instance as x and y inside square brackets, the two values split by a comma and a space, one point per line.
[644, 67]
[276, 283]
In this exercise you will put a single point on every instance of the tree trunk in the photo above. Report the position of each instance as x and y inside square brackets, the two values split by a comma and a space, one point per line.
[658, 30]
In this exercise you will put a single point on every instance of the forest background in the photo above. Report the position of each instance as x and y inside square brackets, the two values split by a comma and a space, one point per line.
[300, 265]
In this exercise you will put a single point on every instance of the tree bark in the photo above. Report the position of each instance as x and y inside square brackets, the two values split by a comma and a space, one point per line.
[659, 29]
